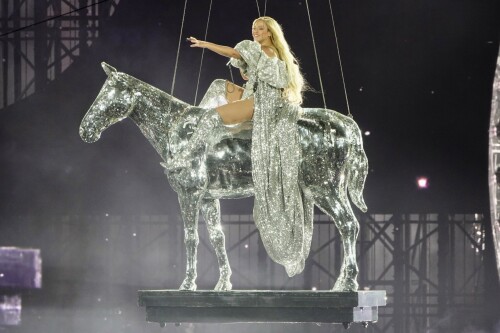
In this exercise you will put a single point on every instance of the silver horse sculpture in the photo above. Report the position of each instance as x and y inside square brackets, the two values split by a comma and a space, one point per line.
[333, 162]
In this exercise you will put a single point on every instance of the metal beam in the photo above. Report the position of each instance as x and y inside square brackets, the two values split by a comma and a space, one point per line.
[36, 55]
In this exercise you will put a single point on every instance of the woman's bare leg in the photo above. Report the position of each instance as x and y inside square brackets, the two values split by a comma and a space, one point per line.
[233, 92]
[236, 112]
[209, 128]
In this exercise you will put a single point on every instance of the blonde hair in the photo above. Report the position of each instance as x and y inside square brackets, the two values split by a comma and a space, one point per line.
[296, 83]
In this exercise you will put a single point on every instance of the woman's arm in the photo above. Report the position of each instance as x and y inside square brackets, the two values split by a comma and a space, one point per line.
[225, 51]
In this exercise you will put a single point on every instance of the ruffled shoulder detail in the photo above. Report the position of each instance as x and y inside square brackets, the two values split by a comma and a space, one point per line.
[273, 71]
[250, 52]
[256, 64]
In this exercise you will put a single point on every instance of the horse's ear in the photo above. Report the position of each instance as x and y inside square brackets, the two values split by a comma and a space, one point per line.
[108, 69]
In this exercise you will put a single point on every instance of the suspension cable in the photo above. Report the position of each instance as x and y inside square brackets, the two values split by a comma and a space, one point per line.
[340, 60]
[52, 18]
[202, 53]
[316, 55]
[178, 48]
[258, 8]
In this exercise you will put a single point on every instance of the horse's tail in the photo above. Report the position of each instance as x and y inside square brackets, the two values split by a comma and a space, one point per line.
[358, 170]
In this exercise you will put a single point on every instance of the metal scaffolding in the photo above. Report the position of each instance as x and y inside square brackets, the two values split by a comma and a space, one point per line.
[431, 265]
[494, 163]
[34, 56]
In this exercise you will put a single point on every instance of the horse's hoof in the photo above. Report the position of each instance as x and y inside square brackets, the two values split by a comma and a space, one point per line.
[295, 268]
[345, 285]
[223, 285]
[188, 285]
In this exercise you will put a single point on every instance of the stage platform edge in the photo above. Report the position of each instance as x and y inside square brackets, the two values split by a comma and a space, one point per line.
[265, 306]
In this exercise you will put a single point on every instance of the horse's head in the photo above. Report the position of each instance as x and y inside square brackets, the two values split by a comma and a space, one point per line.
[114, 103]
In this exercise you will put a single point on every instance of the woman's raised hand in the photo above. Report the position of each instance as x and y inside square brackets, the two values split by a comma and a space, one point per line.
[225, 51]
[196, 43]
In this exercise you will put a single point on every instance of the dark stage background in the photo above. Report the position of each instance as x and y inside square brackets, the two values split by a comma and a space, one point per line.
[419, 78]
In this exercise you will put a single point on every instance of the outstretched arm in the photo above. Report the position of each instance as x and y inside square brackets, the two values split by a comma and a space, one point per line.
[225, 51]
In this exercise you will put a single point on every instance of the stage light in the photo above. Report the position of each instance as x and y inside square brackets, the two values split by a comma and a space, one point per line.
[367, 133]
[422, 182]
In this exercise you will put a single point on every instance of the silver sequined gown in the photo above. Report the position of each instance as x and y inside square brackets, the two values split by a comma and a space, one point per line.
[278, 210]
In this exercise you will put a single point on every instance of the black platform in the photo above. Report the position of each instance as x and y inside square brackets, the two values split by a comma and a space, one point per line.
[174, 306]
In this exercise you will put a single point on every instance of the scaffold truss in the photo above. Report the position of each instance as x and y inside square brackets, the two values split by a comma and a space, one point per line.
[34, 56]
[494, 163]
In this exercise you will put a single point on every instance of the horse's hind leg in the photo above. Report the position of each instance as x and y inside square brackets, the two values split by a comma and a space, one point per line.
[210, 210]
[338, 208]
[189, 212]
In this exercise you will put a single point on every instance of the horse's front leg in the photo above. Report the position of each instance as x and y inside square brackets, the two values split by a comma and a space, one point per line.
[189, 211]
[210, 210]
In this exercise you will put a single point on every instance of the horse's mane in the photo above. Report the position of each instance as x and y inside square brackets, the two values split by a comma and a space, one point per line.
[146, 87]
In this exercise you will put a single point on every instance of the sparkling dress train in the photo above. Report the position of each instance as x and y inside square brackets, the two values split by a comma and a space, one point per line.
[278, 209]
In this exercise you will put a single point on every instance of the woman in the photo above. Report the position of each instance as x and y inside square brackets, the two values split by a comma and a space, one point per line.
[271, 98]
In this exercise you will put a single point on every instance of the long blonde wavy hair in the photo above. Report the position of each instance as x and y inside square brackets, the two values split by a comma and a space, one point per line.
[296, 81]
